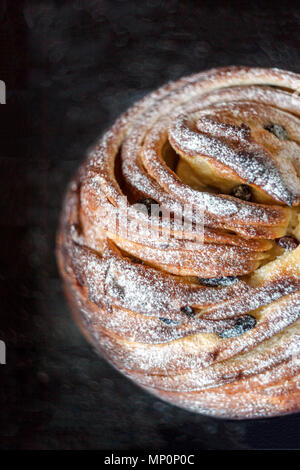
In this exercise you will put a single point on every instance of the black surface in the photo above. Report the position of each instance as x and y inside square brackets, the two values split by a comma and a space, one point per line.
[70, 69]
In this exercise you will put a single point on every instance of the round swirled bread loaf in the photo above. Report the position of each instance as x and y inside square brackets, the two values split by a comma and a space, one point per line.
[200, 307]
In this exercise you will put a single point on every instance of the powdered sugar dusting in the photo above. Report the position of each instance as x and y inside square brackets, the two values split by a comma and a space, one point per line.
[139, 300]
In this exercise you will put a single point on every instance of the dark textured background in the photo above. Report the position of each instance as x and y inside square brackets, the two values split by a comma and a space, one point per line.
[70, 69]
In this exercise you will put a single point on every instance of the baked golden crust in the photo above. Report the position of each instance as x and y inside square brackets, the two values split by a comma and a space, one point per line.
[207, 318]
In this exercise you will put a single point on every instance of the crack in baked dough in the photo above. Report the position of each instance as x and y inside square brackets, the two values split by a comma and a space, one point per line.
[140, 301]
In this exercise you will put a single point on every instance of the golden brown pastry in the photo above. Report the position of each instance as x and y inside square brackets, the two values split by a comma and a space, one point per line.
[205, 313]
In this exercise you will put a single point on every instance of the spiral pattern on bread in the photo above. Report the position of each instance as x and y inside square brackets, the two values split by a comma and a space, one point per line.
[207, 320]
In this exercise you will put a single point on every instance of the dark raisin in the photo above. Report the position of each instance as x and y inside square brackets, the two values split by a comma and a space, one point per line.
[242, 325]
[168, 321]
[147, 201]
[242, 191]
[117, 290]
[278, 131]
[288, 242]
[218, 281]
[164, 246]
[187, 310]
[136, 260]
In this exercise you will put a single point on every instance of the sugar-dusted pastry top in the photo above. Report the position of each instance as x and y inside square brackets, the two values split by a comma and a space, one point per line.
[205, 314]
